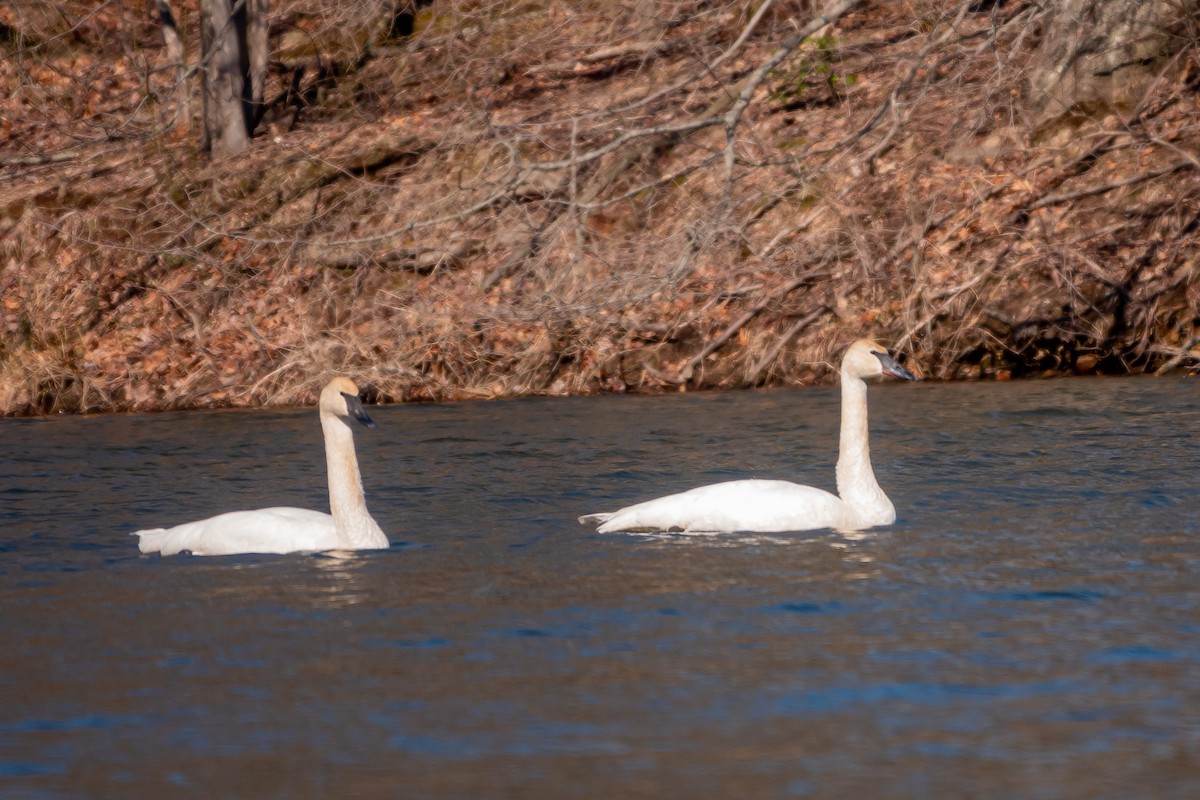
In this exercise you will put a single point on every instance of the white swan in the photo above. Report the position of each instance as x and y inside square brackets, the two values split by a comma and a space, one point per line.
[763, 506]
[291, 530]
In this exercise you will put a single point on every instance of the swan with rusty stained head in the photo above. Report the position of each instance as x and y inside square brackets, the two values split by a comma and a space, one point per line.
[290, 530]
[767, 506]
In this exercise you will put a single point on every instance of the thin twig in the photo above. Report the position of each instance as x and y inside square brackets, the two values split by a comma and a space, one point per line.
[689, 367]
[773, 353]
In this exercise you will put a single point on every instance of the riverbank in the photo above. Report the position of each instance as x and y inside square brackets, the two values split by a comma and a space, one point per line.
[556, 201]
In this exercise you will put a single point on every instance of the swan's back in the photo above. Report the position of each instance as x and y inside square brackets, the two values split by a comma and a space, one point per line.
[747, 505]
[264, 530]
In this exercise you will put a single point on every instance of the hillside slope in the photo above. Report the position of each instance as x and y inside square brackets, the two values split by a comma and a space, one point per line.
[562, 198]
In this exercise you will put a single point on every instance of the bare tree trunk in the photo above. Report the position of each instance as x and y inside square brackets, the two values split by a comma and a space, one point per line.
[1103, 52]
[403, 18]
[257, 40]
[177, 57]
[225, 69]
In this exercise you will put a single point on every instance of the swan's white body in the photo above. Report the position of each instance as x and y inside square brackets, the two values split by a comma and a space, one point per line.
[764, 506]
[292, 530]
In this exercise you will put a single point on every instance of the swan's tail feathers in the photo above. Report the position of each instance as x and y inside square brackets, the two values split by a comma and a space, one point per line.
[149, 540]
[156, 540]
[595, 519]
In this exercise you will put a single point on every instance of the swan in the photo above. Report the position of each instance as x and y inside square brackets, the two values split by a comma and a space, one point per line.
[292, 530]
[767, 506]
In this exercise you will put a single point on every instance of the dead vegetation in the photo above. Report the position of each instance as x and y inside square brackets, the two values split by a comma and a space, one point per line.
[553, 197]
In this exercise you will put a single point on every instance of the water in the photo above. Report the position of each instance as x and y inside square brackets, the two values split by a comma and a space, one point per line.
[1029, 628]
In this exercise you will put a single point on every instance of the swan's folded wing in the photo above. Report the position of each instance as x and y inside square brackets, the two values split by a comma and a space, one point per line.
[747, 505]
[266, 530]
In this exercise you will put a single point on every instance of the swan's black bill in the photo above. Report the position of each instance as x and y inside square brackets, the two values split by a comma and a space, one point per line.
[890, 367]
[355, 407]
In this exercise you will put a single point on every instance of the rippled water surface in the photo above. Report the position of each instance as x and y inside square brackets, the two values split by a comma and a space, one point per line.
[1030, 627]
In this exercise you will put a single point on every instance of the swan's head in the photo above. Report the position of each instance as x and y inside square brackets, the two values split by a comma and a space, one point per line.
[340, 398]
[867, 359]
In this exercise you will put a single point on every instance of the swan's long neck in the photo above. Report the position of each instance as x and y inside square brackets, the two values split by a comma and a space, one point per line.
[355, 527]
[855, 479]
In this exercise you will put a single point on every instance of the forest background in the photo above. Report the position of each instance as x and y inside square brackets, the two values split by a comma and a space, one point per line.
[454, 199]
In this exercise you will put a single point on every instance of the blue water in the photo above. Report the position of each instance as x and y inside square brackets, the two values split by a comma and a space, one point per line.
[1028, 628]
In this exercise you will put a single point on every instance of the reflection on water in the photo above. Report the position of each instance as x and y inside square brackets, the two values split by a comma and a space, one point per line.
[340, 581]
[843, 543]
[1028, 628]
